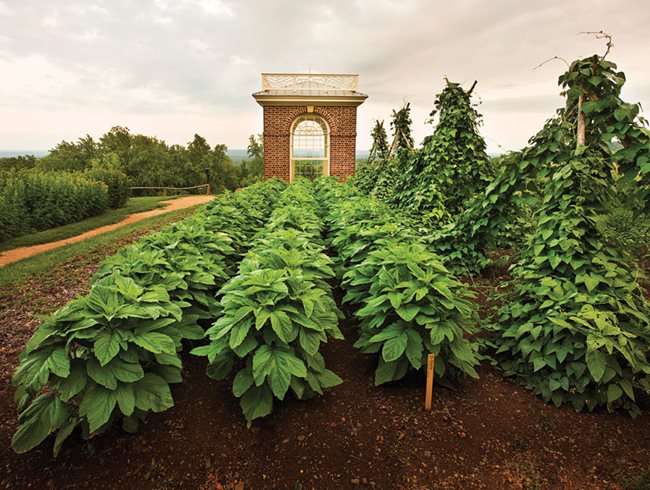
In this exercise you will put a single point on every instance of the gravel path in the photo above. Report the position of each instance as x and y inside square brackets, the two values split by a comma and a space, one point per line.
[172, 205]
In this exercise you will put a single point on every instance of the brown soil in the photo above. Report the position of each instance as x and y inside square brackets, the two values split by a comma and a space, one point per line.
[491, 433]
[20, 253]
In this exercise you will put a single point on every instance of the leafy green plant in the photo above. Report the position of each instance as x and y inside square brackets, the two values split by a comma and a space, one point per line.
[449, 168]
[116, 181]
[612, 126]
[32, 201]
[410, 306]
[407, 301]
[576, 329]
[190, 261]
[277, 311]
[110, 355]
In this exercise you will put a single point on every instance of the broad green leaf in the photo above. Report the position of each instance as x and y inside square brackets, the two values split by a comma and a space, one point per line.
[596, 363]
[283, 327]
[114, 371]
[239, 333]
[75, 382]
[408, 311]
[152, 393]
[59, 363]
[394, 348]
[309, 340]
[389, 371]
[125, 396]
[614, 392]
[257, 402]
[97, 406]
[414, 348]
[107, 345]
[45, 415]
[242, 382]
[328, 379]
[155, 342]
[63, 433]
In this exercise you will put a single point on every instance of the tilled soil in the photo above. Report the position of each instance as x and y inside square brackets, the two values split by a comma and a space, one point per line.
[489, 433]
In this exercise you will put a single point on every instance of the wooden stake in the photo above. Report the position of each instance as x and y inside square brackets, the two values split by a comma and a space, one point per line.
[427, 400]
[582, 140]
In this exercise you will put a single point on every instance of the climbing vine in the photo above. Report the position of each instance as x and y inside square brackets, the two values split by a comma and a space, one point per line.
[576, 328]
[448, 170]
[612, 128]
[379, 149]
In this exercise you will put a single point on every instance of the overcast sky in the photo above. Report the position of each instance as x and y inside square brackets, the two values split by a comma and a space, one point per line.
[172, 68]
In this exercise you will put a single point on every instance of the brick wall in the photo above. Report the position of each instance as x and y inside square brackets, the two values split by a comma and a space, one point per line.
[277, 139]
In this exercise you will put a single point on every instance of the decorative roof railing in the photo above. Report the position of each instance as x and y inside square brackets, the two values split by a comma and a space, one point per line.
[316, 81]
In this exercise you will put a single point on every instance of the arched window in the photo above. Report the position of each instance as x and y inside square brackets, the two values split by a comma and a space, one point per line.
[310, 147]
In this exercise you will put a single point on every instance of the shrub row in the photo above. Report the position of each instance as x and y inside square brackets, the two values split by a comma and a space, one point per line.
[408, 303]
[117, 182]
[32, 201]
[112, 354]
[277, 311]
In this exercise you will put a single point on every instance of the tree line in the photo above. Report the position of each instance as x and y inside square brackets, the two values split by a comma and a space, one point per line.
[149, 161]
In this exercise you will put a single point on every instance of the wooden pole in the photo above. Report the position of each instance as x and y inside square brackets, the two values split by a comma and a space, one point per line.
[582, 141]
[427, 400]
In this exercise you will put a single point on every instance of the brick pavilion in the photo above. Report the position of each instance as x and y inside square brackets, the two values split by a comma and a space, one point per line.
[310, 124]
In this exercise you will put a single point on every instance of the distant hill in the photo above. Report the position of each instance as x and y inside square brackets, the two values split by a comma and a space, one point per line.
[17, 153]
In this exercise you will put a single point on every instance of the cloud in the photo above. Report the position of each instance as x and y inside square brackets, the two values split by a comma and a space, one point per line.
[176, 67]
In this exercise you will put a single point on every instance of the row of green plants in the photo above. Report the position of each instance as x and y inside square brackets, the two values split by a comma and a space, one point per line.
[575, 325]
[32, 201]
[277, 311]
[407, 302]
[110, 356]
[35, 201]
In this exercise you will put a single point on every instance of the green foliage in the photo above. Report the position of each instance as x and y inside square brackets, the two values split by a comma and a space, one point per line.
[400, 125]
[109, 355]
[20, 162]
[117, 183]
[148, 161]
[112, 354]
[69, 156]
[379, 176]
[277, 311]
[408, 303]
[252, 169]
[379, 149]
[613, 128]
[368, 172]
[449, 169]
[576, 329]
[627, 229]
[31, 201]
[410, 306]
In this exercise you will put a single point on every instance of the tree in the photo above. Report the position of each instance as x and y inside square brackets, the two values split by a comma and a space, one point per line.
[255, 148]
[117, 140]
[69, 156]
[251, 170]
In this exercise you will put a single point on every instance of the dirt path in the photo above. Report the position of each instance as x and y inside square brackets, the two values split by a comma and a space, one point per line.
[172, 205]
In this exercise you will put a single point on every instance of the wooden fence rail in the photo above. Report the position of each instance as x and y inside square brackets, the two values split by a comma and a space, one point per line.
[165, 189]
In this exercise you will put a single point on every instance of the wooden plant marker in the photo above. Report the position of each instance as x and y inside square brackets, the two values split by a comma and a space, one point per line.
[427, 400]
